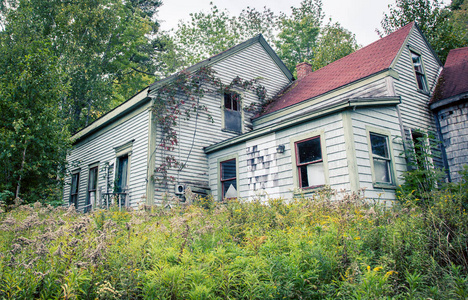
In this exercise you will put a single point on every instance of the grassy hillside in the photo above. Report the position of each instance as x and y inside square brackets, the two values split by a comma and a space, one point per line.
[303, 249]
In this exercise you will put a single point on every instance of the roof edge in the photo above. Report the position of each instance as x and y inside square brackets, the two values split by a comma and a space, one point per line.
[222, 55]
[428, 45]
[448, 101]
[390, 72]
[130, 104]
[350, 103]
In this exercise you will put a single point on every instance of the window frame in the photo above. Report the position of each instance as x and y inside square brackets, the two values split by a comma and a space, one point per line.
[294, 160]
[419, 73]
[122, 151]
[240, 110]
[74, 194]
[88, 204]
[391, 158]
[221, 180]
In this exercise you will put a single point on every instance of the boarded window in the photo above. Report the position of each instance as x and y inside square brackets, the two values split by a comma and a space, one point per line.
[381, 158]
[309, 163]
[419, 71]
[92, 188]
[232, 112]
[75, 182]
[228, 179]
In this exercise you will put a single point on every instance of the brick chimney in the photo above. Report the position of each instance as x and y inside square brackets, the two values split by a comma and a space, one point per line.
[303, 69]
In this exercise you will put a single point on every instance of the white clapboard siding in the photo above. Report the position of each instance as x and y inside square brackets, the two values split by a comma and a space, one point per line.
[383, 118]
[100, 149]
[414, 107]
[196, 133]
[415, 112]
[277, 180]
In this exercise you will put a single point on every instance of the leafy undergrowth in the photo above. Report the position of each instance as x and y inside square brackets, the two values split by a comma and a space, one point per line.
[301, 249]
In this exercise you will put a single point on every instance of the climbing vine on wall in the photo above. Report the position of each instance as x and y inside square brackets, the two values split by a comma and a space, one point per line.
[180, 99]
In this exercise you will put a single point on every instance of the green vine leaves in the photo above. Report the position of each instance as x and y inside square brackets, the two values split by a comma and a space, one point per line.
[180, 99]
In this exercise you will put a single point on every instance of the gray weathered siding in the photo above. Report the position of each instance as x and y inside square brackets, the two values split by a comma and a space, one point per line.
[199, 132]
[382, 118]
[453, 122]
[414, 108]
[99, 148]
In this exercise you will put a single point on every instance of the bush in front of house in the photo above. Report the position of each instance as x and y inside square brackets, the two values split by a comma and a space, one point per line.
[299, 249]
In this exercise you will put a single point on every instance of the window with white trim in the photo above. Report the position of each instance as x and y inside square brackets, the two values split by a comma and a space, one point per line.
[309, 162]
[121, 176]
[228, 179]
[232, 112]
[381, 159]
[74, 188]
[92, 187]
[419, 71]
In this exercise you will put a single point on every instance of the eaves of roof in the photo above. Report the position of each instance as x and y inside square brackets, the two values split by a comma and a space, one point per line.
[124, 108]
[350, 103]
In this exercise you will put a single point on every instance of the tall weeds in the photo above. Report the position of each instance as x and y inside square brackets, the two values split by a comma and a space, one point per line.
[298, 249]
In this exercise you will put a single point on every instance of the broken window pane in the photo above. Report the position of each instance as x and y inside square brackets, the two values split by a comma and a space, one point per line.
[228, 179]
[232, 112]
[74, 189]
[419, 71]
[309, 163]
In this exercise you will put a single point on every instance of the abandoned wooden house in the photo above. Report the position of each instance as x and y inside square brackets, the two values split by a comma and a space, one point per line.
[343, 126]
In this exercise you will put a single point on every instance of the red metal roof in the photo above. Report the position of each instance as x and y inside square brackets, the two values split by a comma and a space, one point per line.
[366, 61]
[453, 80]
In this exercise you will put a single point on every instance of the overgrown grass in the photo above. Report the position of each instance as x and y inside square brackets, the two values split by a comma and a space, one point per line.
[301, 249]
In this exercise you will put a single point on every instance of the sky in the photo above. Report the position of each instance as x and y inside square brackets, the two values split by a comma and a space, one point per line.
[361, 17]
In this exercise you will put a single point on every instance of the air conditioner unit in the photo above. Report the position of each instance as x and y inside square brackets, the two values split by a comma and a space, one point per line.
[179, 189]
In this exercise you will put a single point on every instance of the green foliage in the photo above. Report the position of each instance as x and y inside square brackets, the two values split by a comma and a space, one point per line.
[303, 248]
[423, 176]
[103, 49]
[442, 26]
[181, 98]
[297, 37]
[33, 139]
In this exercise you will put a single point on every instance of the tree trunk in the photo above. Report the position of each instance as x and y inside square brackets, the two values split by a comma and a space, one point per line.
[21, 171]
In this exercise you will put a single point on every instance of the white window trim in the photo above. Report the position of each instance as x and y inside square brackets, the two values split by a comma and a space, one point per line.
[218, 178]
[88, 204]
[241, 110]
[75, 172]
[295, 172]
[418, 52]
[125, 149]
[388, 135]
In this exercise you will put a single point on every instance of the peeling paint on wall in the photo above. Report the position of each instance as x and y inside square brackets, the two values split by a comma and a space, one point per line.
[262, 170]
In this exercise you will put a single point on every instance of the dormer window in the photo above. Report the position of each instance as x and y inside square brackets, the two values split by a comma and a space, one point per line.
[419, 71]
[232, 112]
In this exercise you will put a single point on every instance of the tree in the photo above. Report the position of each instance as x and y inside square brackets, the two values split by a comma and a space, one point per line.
[33, 140]
[210, 33]
[63, 64]
[105, 48]
[434, 20]
[297, 37]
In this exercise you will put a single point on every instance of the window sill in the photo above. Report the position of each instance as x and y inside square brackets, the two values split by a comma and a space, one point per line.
[384, 186]
[424, 92]
[308, 190]
[231, 131]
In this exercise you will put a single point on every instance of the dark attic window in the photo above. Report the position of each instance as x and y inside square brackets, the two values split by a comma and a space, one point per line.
[232, 112]
[419, 71]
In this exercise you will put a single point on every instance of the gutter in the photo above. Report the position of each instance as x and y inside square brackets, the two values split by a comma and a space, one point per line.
[351, 103]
